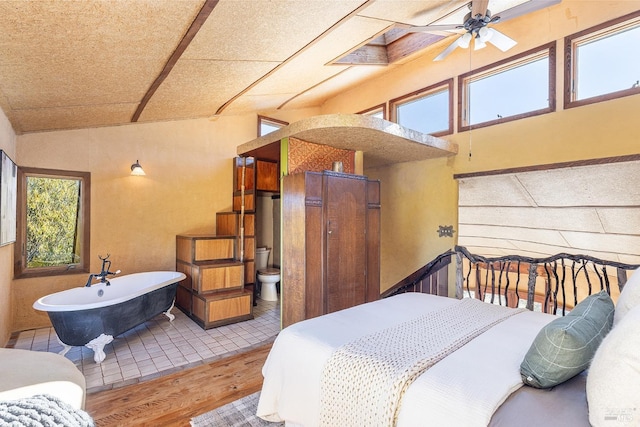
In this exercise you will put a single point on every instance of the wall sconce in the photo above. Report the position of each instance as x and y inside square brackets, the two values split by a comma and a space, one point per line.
[136, 169]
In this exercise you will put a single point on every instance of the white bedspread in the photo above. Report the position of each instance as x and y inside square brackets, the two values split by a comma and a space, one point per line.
[464, 388]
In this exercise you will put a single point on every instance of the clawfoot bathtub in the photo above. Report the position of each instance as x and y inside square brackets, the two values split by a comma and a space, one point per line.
[93, 316]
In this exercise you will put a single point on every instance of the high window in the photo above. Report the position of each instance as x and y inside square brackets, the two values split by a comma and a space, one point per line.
[53, 222]
[518, 87]
[609, 49]
[428, 110]
[378, 111]
[267, 125]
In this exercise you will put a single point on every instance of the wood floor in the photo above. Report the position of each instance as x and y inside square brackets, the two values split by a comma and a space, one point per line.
[174, 399]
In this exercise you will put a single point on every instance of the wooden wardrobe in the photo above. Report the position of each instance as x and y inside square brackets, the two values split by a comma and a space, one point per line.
[330, 243]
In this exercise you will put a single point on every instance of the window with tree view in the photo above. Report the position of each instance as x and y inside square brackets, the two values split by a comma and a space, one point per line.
[53, 222]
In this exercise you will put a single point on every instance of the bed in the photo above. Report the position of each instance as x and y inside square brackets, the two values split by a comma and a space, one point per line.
[478, 381]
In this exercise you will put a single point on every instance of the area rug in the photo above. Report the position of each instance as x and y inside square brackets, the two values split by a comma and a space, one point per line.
[241, 412]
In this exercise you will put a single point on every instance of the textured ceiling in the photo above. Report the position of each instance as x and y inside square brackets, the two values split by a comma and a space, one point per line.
[592, 210]
[76, 64]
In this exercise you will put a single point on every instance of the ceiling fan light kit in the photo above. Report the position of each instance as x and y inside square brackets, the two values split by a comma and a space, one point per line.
[476, 28]
[479, 44]
[485, 34]
[464, 40]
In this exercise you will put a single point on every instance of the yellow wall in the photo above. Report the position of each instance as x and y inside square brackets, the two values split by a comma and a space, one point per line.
[417, 197]
[135, 219]
[8, 145]
[188, 165]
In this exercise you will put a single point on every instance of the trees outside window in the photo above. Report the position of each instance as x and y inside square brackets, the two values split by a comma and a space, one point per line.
[53, 222]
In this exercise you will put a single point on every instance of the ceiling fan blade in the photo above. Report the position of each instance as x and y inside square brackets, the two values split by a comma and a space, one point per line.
[524, 8]
[479, 7]
[428, 28]
[502, 42]
[447, 51]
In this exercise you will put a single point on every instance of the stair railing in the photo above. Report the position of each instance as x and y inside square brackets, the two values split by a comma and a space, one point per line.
[553, 284]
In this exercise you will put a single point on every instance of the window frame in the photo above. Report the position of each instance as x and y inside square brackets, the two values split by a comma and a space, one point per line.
[503, 65]
[20, 263]
[421, 93]
[372, 110]
[269, 120]
[570, 72]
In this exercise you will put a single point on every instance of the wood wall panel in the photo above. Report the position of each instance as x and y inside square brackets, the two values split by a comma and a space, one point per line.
[373, 240]
[185, 268]
[229, 308]
[267, 176]
[293, 242]
[345, 215]
[325, 232]
[206, 250]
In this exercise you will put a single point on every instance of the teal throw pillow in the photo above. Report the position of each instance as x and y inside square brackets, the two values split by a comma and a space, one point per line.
[565, 347]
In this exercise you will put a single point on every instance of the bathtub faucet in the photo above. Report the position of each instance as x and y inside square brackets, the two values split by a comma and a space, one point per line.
[104, 273]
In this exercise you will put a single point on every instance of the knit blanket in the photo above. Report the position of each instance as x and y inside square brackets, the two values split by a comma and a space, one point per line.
[42, 411]
[363, 381]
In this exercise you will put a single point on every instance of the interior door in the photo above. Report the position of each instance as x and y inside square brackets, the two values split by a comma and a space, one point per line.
[345, 216]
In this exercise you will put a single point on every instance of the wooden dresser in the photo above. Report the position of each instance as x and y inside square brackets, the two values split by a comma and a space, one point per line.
[258, 177]
[228, 224]
[220, 268]
[331, 243]
[213, 293]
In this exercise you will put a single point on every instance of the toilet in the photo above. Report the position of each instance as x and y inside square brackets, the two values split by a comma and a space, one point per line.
[267, 277]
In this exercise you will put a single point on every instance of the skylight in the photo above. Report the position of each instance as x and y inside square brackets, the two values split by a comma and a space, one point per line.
[388, 48]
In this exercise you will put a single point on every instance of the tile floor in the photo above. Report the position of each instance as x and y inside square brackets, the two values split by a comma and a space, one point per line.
[158, 347]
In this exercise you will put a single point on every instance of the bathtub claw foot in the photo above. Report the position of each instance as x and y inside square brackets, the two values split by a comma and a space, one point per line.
[168, 312]
[65, 347]
[97, 345]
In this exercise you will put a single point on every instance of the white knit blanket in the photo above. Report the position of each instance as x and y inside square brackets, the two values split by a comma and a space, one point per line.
[42, 411]
[363, 381]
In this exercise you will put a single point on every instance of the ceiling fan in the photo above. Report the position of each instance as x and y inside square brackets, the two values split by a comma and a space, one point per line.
[476, 26]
